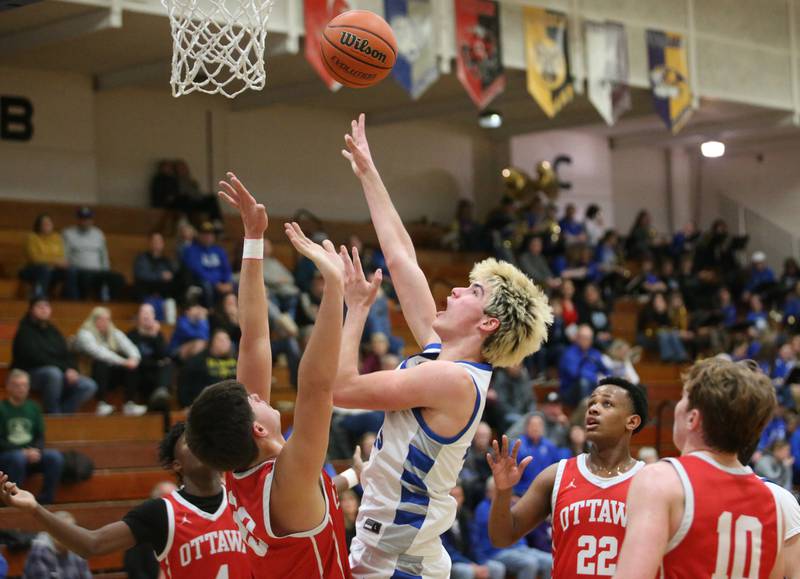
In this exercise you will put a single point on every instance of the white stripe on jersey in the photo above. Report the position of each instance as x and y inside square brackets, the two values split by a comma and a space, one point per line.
[407, 482]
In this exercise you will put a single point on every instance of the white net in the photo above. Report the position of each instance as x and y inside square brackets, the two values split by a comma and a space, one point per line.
[218, 45]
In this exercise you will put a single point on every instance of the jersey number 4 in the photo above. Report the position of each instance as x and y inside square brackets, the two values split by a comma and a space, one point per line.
[604, 548]
[745, 524]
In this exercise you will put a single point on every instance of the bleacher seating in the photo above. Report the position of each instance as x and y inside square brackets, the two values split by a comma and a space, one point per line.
[124, 448]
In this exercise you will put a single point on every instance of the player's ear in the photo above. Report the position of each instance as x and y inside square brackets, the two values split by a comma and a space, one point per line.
[694, 419]
[258, 430]
[634, 420]
[489, 325]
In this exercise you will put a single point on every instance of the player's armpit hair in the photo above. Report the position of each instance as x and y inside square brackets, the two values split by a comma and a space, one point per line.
[220, 427]
[521, 308]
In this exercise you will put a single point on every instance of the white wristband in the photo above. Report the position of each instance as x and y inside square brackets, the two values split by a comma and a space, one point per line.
[350, 476]
[253, 249]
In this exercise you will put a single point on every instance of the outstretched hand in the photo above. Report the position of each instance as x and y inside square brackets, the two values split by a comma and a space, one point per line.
[13, 496]
[324, 256]
[254, 215]
[357, 151]
[358, 292]
[505, 470]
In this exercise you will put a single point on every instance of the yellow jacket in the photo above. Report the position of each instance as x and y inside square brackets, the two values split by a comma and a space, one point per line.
[47, 249]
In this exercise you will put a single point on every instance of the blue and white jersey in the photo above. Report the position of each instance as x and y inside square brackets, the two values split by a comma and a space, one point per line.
[407, 482]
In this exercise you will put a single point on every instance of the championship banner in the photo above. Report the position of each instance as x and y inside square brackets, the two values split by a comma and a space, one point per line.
[478, 59]
[669, 78]
[607, 69]
[317, 14]
[546, 54]
[417, 66]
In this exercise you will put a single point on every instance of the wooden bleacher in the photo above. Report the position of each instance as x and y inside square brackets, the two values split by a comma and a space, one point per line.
[124, 448]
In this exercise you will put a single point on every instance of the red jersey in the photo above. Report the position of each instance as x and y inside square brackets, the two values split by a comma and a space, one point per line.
[202, 545]
[730, 527]
[589, 519]
[319, 552]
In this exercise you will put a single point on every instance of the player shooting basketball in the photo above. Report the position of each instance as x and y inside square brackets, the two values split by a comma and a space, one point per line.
[434, 402]
[286, 506]
[585, 495]
[704, 514]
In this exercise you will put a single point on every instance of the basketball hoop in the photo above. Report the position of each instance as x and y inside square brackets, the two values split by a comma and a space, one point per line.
[218, 45]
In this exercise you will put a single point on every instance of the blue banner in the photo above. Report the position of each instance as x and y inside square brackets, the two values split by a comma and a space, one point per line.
[417, 67]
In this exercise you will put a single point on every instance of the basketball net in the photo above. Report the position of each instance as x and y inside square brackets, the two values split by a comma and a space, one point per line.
[218, 45]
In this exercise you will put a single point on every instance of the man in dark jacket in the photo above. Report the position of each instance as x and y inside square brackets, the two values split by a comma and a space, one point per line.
[153, 375]
[40, 349]
[153, 272]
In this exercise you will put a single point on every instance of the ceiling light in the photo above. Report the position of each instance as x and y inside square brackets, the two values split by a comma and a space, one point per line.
[490, 120]
[712, 149]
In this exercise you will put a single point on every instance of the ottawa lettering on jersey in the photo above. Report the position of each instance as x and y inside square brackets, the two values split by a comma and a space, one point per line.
[593, 511]
[223, 541]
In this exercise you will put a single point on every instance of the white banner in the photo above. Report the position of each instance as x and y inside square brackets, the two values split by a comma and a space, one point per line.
[607, 69]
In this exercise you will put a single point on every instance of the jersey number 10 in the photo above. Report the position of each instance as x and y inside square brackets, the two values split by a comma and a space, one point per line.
[744, 524]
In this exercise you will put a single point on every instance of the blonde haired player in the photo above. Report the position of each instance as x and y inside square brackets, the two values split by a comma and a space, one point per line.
[433, 404]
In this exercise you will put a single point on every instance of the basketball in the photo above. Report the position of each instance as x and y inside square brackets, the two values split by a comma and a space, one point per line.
[358, 48]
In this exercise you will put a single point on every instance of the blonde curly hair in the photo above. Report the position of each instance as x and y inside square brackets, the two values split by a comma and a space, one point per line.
[521, 307]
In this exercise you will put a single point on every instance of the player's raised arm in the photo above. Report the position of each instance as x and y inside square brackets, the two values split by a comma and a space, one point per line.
[508, 524]
[254, 368]
[113, 537]
[296, 503]
[419, 307]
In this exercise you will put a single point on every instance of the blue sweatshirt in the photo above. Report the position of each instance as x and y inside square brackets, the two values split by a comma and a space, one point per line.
[209, 264]
[186, 330]
[479, 530]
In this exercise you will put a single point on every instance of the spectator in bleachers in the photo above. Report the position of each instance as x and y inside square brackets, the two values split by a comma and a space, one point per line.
[208, 265]
[350, 502]
[191, 333]
[476, 469]
[22, 450]
[647, 281]
[49, 558]
[580, 368]
[456, 541]
[379, 320]
[791, 309]
[760, 278]
[593, 312]
[679, 316]
[374, 351]
[114, 360]
[534, 264]
[756, 316]
[641, 236]
[572, 229]
[523, 561]
[648, 455]
[154, 374]
[226, 317]
[185, 237]
[465, 234]
[668, 277]
[576, 444]
[514, 389]
[593, 224]
[776, 464]
[308, 305]
[196, 204]
[215, 364]
[790, 276]
[556, 422]
[284, 335]
[656, 330]
[40, 349]
[87, 252]
[569, 312]
[534, 443]
[164, 187]
[279, 281]
[684, 241]
[716, 252]
[619, 359]
[46, 260]
[154, 273]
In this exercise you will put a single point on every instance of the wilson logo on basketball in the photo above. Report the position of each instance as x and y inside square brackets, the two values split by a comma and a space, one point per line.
[362, 45]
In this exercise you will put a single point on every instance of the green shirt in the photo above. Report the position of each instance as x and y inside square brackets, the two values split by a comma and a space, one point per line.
[21, 426]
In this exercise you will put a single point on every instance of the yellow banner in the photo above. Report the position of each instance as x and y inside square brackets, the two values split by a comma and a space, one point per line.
[546, 54]
[669, 77]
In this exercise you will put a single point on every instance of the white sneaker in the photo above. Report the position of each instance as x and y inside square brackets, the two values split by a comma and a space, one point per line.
[130, 408]
[104, 408]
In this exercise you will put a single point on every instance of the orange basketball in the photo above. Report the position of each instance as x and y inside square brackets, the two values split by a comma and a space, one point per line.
[358, 48]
